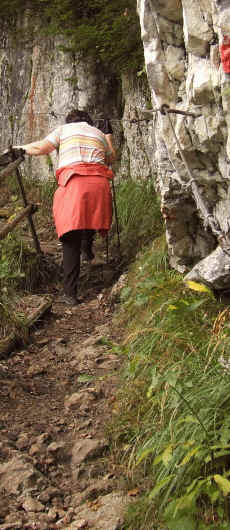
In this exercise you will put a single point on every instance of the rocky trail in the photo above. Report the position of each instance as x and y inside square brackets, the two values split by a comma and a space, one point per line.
[57, 393]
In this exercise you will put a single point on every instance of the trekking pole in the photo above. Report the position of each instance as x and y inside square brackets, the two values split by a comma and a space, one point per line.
[116, 217]
[107, 248]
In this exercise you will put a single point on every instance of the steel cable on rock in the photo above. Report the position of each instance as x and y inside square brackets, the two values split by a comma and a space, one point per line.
[208, 217]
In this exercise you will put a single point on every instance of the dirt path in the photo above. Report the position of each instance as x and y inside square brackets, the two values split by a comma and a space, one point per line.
[56, 398]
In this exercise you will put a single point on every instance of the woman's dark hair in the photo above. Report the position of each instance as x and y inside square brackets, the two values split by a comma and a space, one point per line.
[76, 116]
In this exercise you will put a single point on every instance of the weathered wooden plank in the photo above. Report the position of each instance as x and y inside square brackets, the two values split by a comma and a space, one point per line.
[10, 169]
[10, 226]
[38, 312]
[8, 343]
[6, 212]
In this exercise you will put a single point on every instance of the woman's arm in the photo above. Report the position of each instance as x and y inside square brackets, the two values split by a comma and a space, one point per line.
[112, 155]
[104, 125]
[41, 147]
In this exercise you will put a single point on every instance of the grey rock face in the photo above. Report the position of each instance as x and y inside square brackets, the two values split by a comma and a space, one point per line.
[195, 83]
[40, 84]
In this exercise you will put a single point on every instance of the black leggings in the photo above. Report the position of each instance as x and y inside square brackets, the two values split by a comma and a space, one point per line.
[72, 242]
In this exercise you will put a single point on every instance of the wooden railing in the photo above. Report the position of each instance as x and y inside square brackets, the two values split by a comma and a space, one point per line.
[40, 304]
[29, 209]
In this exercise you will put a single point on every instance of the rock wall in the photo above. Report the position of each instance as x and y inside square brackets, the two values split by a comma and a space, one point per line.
[138, 147]
[182, 41]
[39, 83]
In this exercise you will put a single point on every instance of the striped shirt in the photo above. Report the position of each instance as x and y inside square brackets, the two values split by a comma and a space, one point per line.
[79, 142]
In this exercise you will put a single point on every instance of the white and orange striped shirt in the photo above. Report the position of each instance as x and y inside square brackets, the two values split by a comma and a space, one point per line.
[79, 142]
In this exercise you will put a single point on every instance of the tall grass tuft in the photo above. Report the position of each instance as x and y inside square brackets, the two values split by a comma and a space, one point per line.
[18, 264]
[139, 215]
[172, 422]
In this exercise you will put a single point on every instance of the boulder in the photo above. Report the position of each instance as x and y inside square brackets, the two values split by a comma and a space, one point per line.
[213, 271]
[18, 475]
[85, 449]
[105, 513]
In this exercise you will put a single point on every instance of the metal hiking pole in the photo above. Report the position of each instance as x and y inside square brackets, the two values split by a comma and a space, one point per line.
[107, 248]
[116, 217]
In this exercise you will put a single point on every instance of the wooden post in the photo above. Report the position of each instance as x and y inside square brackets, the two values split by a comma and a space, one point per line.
[30, 220]
[14, 167]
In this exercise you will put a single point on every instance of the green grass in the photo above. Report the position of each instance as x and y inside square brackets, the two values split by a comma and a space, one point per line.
[171, 428]
[18, 264]
[139, 216]
[45, 190]
[19, 273]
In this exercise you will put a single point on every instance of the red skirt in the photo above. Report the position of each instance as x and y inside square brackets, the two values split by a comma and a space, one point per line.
[83, 203]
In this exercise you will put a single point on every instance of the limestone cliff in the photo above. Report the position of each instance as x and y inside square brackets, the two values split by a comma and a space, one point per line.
[182, 41]
[40, 83]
